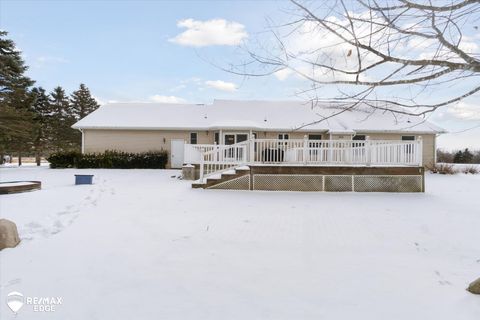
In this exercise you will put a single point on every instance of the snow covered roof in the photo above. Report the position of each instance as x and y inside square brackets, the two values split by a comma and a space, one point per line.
[255, 115]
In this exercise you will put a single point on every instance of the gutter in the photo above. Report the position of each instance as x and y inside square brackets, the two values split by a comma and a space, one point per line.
[258, 129]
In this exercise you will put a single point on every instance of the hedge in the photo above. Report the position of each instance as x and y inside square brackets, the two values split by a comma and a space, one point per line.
[110, 160]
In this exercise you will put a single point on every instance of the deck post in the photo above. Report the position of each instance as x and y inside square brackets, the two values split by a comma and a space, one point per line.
[305, 149]
[202, 161]
[368, 151]
[419, 152]
[330, 149]
[251, 145]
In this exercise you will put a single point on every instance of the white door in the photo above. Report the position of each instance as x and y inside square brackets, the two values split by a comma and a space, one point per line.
[176, 153]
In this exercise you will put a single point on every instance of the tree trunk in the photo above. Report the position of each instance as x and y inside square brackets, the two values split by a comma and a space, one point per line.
[19, 158]
[38, 150]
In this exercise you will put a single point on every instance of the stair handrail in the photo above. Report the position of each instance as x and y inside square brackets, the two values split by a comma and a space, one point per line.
[214, 161]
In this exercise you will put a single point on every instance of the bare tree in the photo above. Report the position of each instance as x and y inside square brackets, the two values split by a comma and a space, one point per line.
[397, 55]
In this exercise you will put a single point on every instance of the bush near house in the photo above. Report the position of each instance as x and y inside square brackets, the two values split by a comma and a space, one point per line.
[441, 168]
[471, 169]
[66, 159]
[110, 160]
[446, 168]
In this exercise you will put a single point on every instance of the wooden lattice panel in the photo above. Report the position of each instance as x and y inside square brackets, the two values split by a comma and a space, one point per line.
[385, 183]
[287, 182]
[338, 183]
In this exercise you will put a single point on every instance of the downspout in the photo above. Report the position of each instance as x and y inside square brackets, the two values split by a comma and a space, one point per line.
[83, 141]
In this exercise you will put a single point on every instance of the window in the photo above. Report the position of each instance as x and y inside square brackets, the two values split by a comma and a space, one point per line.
[409, 147]
[283, 136]
[229, 139]
[193, 138]
[255, 144]
[359, 137]
[314, 137]
[217, 138]
[241, 137]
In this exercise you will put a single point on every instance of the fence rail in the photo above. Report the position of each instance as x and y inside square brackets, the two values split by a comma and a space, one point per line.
[217, 158]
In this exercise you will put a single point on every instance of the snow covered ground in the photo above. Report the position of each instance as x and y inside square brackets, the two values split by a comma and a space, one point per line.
[139, 244]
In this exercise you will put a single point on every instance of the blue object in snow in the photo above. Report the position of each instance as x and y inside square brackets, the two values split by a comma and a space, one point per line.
[83, 178]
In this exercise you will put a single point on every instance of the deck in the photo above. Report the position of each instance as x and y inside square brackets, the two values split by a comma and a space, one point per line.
[309, 165]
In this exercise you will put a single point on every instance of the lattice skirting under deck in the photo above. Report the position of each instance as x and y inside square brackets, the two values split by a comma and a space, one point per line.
[287, 182]
[334, 183]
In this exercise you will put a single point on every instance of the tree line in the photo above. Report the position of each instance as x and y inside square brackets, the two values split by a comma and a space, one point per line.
[32, 121]
[458, 156]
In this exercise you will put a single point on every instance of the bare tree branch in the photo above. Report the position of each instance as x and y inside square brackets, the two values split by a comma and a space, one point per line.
[365, 47]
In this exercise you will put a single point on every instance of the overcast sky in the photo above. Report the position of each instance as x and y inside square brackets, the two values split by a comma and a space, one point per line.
[168, 51]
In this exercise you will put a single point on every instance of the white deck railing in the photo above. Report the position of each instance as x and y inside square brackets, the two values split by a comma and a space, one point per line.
[223, 157]
[217, 158]
[193, 152]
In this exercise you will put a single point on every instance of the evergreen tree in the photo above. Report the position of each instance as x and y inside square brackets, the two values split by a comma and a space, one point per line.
[458, 157]
[59, 103]
[463, 156]
[467, 156]
[62, 120]
[82, 102]
[12, 68]
[15, 118]
[44, 126]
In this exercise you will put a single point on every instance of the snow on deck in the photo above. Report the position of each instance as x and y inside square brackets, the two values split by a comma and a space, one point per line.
[142, 244]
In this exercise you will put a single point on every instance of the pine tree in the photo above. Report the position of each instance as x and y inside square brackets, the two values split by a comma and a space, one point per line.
[467, 156]
[65, 138]
[458, 157]
[12, 68]
[44, 126]
[59, 103]
[15, 118]
[82, 102]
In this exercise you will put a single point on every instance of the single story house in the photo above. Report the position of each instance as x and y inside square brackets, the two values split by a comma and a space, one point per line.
[139, 127]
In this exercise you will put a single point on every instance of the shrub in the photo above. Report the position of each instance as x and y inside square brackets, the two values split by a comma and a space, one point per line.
[471, 169]
[110, 160]
[441, 168]
[64, 159]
